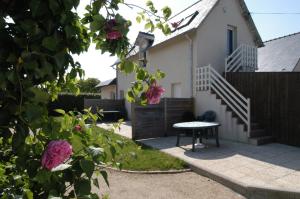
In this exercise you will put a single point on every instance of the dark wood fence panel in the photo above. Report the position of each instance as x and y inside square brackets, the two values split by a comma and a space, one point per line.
[275, 102]
[175, 107]
[156, 120]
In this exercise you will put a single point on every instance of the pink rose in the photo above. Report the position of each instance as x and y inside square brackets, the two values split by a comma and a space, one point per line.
[56, 152]
[154, 93]
[113, 35]
[77, 127]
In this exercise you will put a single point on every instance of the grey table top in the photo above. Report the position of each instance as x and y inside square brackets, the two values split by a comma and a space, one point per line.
[110, 111]
[195, 125]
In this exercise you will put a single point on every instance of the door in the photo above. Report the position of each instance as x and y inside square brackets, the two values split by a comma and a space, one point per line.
[231, 39]
[176, 90]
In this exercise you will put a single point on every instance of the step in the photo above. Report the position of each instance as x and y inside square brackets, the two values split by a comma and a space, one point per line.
[255, 126]
[257, 133]
[261, 140]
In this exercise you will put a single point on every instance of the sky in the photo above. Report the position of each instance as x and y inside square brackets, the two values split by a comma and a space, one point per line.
[97, 65]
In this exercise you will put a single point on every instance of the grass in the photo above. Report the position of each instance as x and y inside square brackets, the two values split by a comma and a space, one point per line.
[146, 159]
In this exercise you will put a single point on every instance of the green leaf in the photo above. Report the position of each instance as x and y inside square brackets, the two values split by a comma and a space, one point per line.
[28, 194]
[167, 12]
[54, 6]
[50, 43]
[60, 111]
[130, 96]
[113, 151]
[43, 176]
[95, 151]
[82, 187]
[88, 167]
[39, 95]
[120, 143]
[138, 19]
[61, 167]
[105, 177]
[127, 66]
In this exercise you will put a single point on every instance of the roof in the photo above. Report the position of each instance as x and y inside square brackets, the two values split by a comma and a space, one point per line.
[202, 8]
[107, 83]
[280, 54]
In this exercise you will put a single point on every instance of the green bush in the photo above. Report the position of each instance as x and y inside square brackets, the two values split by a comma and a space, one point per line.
[71, 102]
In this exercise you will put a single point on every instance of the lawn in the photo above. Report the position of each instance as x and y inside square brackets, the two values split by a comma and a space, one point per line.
[145, 158]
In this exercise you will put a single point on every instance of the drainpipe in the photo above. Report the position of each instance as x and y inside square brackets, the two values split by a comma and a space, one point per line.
[191, 58]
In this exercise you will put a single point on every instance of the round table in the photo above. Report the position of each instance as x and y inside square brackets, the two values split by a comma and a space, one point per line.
[197, 126]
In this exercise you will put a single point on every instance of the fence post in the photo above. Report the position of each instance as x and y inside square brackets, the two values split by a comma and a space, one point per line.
[133, 121]
[249, 117]
[165, 117]
[209, 78]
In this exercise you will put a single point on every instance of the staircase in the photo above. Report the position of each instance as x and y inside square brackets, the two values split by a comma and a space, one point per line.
[229, 103]
[243, 59]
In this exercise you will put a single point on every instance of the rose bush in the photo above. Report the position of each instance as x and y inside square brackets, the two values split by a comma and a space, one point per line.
[43, 156]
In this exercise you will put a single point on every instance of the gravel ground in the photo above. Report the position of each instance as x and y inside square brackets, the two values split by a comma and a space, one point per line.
[187, 185]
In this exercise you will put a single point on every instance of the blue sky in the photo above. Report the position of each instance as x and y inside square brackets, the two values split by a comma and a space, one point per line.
[269, 26]
[272, 26]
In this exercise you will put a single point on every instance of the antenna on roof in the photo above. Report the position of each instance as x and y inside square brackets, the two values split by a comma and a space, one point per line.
[184, 10]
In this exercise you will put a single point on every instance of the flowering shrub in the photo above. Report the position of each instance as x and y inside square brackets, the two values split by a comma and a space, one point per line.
[50, 157]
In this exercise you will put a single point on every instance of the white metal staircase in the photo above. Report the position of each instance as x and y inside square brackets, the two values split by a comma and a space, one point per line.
[211, 82]
[208, 79]
[243, 59]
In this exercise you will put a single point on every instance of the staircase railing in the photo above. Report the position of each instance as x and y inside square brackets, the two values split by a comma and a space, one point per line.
[207, 78]
[243, 59]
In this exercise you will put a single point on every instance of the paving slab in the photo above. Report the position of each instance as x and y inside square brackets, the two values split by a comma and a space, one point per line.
[125, 128]
[273, 167]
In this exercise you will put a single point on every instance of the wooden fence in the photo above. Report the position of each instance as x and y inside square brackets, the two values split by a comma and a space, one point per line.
[275, 102]
[156, 120]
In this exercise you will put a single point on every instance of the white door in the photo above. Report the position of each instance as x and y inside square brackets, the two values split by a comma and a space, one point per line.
[176, 90]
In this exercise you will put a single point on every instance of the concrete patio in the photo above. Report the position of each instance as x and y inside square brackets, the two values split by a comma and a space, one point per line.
[270, 171]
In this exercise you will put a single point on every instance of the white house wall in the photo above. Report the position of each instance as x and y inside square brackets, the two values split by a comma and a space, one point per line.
[211, 43]
[173, 58]
[212, 34]
[107, 90]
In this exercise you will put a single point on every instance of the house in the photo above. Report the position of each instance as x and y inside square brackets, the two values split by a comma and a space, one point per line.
[280, 54]
[108, 89]
[216, 33]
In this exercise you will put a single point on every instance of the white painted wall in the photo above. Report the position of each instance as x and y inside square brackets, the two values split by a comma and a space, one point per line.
[171, 57]
[212, 34]
[107, 90]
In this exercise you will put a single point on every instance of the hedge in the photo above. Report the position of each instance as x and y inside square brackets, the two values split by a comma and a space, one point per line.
[71, 102]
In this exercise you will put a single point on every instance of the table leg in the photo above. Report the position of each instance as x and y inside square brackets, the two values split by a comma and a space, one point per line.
[178, 137]
[194, 138]
[200, 135]
[217, 136]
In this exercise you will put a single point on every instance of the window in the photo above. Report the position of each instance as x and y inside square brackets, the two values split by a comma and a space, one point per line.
[231, 39]
[176, 90]
[121, 94]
